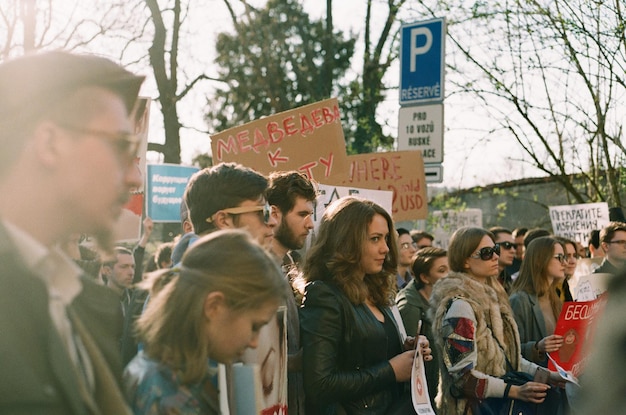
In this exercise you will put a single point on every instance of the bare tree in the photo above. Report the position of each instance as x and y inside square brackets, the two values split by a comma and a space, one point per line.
[551, 75]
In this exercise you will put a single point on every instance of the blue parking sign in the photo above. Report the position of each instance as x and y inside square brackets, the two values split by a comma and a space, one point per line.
[422, 62]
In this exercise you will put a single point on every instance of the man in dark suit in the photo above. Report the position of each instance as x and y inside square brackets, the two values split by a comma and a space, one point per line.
[67, 165]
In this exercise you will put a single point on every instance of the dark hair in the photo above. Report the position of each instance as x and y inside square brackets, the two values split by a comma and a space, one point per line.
[403, 231]
[607, 233]
[228, 261]
[594, 238]
[417, 235]
[286, 186]
[463, 244]
[423, 261]
[336, 253]
[533, 234]
[497, 230]
[223, 186]
[533, 271]
[118, 250]
[163, 253]
[521, 231]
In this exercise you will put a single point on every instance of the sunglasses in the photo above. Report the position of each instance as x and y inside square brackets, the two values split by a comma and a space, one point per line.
[264, 210]
[507, 245]
[487, 252]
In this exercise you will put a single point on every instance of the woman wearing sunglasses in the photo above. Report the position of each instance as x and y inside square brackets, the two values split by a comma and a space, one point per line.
[475, 330]
[535, 303]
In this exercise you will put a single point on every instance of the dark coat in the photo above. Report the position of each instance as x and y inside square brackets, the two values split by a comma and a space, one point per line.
[37, 375]
[345, 364]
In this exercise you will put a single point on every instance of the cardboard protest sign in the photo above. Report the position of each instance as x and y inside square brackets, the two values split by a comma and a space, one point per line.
[401, 172]
[308, 139]
[590, 286]
[271, 381]
[576, 221]
[328, 194]
[576, 324]
[165, 187]
[448, 221]
[128, 225]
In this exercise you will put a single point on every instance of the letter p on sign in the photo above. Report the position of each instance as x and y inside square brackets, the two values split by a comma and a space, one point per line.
[420, 50]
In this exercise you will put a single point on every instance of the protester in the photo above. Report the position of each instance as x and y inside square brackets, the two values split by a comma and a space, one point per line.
[429, 265]
[536, 307]
[422, 239]
[226, 288]
[475, 329]
[293, 197]
[354, 359]
[593, 244]
[518, 238]
[508, 249]
[613, 242]
[406, 249]
[562, 285]
[230, 196]
[67, 166]
[119, 273]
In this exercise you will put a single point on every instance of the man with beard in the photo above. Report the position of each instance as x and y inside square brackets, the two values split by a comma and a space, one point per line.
[67, 166]
[292, 197]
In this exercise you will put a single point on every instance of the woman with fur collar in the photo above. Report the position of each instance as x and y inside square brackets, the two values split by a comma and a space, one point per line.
[474, 328]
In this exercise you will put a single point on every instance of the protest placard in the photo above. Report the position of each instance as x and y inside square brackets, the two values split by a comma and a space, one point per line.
[328, 193]
[448, 221]
[165, 187]
[128, 225]
[308, 139]
[576, 324]
[576, 221]
[401, 172]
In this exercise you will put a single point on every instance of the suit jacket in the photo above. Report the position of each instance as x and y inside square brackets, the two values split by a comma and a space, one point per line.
[37, 375]
[530, 324]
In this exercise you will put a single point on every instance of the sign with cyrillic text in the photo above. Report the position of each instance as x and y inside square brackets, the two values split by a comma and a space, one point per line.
[576, 221]
[308, 139]
[165, 187]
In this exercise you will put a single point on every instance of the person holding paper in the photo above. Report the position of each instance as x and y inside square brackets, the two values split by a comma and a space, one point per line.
[212, 306]
[354, 359]
[475, 329]
[429, 265]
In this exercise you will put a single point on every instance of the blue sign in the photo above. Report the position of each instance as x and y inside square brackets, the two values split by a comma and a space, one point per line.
[422, 62]
[165, 187]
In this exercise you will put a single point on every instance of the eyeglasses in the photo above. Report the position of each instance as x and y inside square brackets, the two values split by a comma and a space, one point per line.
[620, 242]
[507, 245]
[125, 145]
[266, 210]
[487, 252]
[561, 258]
[407, 245]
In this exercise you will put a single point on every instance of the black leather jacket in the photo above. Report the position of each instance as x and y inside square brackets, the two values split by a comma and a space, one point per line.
[345, 364]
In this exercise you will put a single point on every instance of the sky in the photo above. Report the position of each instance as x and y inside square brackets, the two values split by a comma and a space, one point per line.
[468, 159]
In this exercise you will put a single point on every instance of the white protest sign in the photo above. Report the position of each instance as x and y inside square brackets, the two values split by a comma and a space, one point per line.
[448, 221]
[576, 221]
[328, 194]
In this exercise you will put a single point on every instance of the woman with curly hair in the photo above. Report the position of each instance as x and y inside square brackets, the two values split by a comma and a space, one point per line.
[354, 358]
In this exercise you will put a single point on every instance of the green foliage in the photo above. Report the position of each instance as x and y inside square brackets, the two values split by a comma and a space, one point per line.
[277, 59]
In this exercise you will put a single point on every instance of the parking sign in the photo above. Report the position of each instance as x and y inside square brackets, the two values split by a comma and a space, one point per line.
[422, 62]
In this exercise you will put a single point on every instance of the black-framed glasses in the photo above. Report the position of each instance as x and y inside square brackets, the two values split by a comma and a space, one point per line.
[619, 242]
[507, 245]
[487, 252]
[561, 258]
[265, 210]
[126, 145]
[407, 245]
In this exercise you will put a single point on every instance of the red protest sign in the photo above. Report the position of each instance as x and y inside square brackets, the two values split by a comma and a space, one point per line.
[576, 324]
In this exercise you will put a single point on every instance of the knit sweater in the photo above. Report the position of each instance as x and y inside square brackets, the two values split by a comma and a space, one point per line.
[474, 327]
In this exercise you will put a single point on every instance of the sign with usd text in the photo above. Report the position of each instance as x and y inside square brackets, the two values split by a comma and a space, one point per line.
[422, 56]
[421, 128]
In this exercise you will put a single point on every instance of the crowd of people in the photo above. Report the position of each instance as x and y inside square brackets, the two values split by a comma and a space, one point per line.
[124, 334]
